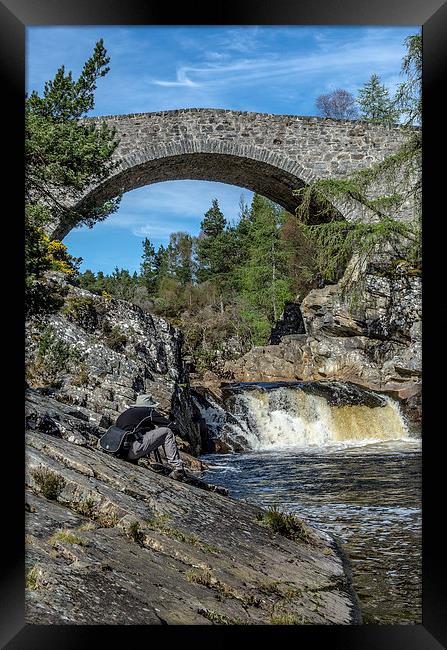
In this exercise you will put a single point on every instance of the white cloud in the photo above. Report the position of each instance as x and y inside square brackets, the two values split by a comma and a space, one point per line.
[182, 80]
[159, 209]
[353, 58]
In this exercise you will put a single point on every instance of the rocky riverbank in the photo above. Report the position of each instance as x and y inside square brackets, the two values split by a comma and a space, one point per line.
[95, 354]
[109, 542]
[366, 329]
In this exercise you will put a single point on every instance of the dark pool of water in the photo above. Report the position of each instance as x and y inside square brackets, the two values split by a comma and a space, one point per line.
[369, 497]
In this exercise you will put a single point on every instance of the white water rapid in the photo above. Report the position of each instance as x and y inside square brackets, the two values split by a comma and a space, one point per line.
[278, 417]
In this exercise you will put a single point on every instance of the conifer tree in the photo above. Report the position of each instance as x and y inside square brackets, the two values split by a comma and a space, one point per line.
[64, 152]
[409, 93]
[214, 221]
[181, 257]
[148, 268]
[375, 102]
[264, 278]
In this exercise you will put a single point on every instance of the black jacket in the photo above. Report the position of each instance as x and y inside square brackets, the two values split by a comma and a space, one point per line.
[130, 418]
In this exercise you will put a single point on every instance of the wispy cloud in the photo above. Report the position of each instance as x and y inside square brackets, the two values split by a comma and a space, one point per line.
[253, 70]
[182, 80]
[156, 211]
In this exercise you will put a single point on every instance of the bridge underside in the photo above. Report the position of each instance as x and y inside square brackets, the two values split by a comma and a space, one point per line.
[272, 182]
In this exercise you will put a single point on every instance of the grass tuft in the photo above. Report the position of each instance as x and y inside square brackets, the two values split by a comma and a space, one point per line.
[285, 524]
[32, 580]
[67, 537]
[49, 483]
[220, 619]
[287, 619]
[135, 533]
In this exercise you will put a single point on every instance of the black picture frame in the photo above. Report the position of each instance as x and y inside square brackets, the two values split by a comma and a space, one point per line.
[15, 16]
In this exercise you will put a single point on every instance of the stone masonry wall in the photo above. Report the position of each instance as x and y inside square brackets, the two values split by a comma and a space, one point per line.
[269, 154]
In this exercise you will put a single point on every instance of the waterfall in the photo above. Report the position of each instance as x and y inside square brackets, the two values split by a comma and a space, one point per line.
[308, 414]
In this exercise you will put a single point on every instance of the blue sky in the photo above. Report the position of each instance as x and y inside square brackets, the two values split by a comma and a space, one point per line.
[271, 69]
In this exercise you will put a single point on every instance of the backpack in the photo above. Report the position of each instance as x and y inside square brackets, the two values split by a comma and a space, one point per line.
[117, 441]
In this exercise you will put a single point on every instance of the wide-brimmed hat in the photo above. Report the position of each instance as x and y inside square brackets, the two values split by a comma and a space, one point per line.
[146, 400]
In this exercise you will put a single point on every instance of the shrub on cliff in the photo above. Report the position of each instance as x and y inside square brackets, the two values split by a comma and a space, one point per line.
[53, 358]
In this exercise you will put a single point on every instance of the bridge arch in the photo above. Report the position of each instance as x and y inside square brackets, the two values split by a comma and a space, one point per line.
[268, 154]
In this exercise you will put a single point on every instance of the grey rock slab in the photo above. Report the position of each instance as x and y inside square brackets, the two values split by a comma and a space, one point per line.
[171, 553]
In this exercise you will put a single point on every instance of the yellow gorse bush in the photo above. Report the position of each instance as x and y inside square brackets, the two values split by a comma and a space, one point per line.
[58, 257]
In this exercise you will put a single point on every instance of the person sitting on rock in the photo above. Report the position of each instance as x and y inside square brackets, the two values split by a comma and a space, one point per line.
[157, 431]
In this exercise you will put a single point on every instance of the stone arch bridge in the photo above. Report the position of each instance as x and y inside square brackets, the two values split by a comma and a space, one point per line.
[268, 154]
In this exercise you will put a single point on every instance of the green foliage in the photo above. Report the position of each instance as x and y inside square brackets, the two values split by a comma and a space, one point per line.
[83, 311]
[409, 93]
[62, 150]
[148, 267]
[214, 221]
[214, 247]
[63, 155]
[263, 279]
[85, 507]
[82, 376]
[116, 340]
[67, 537]
[337, 241]
[135, 533]
[287, 618]
[53, 357]
[201, 577]
[284, 524]
[49, 483]
[33, 578]
[375, 102]
[181, 265]
[220, 619]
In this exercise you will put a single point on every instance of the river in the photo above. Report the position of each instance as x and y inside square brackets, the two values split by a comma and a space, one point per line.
[364, 490]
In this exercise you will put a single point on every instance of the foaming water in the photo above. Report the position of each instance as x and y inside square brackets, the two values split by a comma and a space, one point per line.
[290, 417]
[341, 458]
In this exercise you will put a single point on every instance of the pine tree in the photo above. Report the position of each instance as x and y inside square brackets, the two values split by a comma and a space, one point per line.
[375, 102]
[148, 271]
[409, 93]
[214, 221]
[264, 279]
[181, 246]
[161, 265]
[63, 156]
[64, 153]
[210, 244]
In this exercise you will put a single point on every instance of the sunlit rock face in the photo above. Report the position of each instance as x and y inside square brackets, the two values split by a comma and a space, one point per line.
[96, 354]
[374, 342]
[111, 543]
